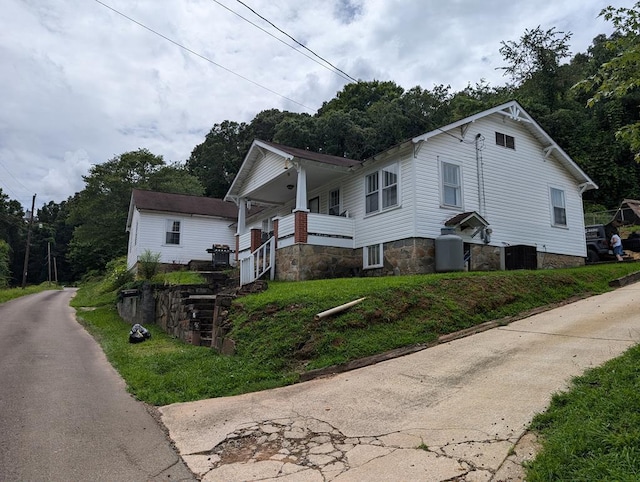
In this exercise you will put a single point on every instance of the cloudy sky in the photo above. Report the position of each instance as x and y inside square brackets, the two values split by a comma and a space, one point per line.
[82, 81]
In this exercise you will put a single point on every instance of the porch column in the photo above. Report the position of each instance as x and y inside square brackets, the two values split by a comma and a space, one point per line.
[301, 189]
[256, 239]
[242, 216]
[300, 234]
[275, 231]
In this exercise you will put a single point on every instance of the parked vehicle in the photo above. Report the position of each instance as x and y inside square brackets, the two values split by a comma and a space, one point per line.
[597, 237]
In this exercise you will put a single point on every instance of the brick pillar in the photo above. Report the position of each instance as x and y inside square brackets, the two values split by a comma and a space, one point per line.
[256, 239]
[275, 232]
[300, 233]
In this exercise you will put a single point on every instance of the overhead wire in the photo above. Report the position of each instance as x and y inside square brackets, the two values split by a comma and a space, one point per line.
[332, 69]
[296, 41]
[193, 52]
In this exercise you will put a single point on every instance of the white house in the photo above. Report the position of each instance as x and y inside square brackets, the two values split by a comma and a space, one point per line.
[178, 226]
[496, 178]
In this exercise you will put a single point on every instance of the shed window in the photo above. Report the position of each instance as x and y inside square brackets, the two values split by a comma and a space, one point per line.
[173, 232]
[505, 141]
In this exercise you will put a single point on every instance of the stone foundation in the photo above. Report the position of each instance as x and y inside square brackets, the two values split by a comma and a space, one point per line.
[302, 262]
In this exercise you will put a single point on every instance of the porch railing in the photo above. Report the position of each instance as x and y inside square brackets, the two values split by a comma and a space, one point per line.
[258, 263]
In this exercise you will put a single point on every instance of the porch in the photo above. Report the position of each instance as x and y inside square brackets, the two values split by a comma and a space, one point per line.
[257, 250]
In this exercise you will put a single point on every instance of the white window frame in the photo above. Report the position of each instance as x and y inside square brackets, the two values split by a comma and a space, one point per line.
[334, 209]
[377, 251]
[562, 205]
[382, 185]
[457, 187]
[170, 230]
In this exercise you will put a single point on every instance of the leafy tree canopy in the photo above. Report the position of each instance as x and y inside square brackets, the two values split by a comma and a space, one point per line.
[619, 77]
[99, 212]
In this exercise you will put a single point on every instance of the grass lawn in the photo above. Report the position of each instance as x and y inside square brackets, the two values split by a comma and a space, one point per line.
[11, 293]
[590, 433]
[277, 337]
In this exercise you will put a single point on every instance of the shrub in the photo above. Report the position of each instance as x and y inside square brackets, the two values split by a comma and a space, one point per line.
[117, 273]
[148, 264]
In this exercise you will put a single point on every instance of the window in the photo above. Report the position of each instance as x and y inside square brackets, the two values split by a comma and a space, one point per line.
[390, 186]
[334, 202]
[371, 193]
[314, 205]
[386, 197]
[558, 206]
[505, 140]
[372, 256]
[173, 232]
[451, 185]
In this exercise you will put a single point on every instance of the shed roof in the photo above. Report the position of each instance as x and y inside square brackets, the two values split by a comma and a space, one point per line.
[183, 204]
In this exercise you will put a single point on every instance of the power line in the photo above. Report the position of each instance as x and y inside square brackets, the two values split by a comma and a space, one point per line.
[332, 69]
[202, 56]
[299, 43]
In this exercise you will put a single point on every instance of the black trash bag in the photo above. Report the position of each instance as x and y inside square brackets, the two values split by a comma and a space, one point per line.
[138, 334]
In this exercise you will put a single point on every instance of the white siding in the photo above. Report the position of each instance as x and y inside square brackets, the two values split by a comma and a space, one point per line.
[197, 234]
[516, 188]
[263, 171]
[388, 225]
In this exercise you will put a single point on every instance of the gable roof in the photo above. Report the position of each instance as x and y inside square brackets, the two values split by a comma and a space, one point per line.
[257, 151]
[181, 204]
[516, 112]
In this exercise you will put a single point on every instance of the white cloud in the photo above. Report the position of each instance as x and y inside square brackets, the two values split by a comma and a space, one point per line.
[81, 84]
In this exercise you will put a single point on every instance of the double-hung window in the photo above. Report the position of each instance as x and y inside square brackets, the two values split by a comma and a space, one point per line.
[451, 185]
[559, 210]
[334, 202]
[381, 189]
[173, 232]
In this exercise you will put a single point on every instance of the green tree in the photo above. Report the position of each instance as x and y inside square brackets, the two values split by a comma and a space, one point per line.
[619, 77]
[534, 62]
[5, 273]
[13, 230]
[99, 212]
[216, 161]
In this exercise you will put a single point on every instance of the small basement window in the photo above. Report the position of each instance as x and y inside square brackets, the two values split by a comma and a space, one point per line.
[505, 141]
[372, 256]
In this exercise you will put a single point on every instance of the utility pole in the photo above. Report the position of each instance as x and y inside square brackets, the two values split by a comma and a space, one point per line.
[26, 252]
[49, 260]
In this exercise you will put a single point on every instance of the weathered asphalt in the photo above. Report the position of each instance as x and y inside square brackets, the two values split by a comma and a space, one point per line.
[457, 411]
[64, 412]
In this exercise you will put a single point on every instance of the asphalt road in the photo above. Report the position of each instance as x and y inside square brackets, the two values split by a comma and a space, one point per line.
[64, 412]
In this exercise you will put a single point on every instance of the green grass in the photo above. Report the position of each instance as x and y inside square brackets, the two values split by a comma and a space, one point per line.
[277, 337]
[11, 293]
[592, 431]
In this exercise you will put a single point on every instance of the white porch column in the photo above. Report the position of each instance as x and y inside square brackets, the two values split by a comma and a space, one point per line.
[242, 216]
[301, 189]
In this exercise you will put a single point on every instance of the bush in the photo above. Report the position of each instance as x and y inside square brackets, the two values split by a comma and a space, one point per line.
[148, 264]
[117, 273]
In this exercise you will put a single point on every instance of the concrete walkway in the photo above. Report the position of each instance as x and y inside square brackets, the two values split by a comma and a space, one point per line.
[459, 409]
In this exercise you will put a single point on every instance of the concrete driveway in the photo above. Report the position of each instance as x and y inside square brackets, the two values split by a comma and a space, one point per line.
[459, 409]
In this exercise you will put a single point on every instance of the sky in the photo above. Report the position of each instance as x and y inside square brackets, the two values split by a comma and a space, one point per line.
[83, 81]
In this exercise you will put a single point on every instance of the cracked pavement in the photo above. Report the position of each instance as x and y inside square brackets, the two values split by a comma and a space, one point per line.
[453, 412]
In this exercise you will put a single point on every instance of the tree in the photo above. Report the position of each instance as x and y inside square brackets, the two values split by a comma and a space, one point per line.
[99, 212]
[619, 77]
[216, 161]
[5, 273]
[13, 231]
[534, 61]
